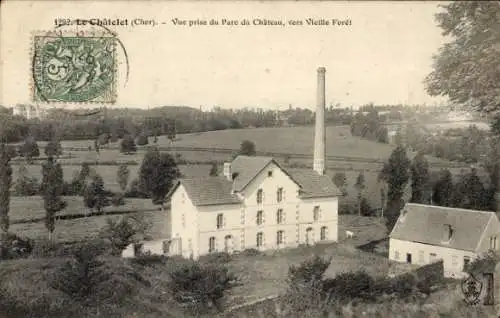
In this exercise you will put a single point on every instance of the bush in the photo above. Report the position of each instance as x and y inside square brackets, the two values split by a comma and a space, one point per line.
[122, 233]
[148, 260]
[309, 270]
[251, 252]
[142, 140]
[118, 200]
[219, 257]
[136, 191]
[201, 286]
[89, 280]
[26, 186]
[80, 277]
[351, 285]
[16, 247]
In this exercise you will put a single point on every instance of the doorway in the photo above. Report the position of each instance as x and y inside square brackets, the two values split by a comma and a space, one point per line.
[228, 244]
[408, 258]
[309, 236]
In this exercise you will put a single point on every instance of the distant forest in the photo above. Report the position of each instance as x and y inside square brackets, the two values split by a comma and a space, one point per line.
[171, 120]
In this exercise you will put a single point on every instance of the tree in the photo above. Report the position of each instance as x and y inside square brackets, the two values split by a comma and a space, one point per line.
[469, 192]
[340, 180]
[213, 170]
[122, 176]
[103, 139]
[29, 149]
[360, 186]
[420, 179]
[142, 140]
[396, 173]
[443, 189]
[157, 174]
[5, 185]
[53, 148]
[52, 188]
[25, 186]
[127, 145]
[247, 148]
[122, 233]
[201, 285]
[467, 68]
[95, 196]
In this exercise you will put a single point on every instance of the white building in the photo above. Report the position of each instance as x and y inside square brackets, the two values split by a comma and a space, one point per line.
[257, 203]
[424, 234]
[28, 111]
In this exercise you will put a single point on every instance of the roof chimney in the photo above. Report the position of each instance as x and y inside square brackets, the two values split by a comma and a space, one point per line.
[227, 171]
[319, 132]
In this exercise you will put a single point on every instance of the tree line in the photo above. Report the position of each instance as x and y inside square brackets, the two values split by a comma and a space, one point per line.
[157, 173]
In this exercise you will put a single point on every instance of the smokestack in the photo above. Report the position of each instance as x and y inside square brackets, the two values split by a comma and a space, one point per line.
[319, 133]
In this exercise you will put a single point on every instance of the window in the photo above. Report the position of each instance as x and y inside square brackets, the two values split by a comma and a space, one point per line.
[280, 238]
[220, 221]
[396, 255]
[166, 247]
[323, 233]
[316, 213]
[211, 244]
[493, 242]
[269, 173]
[260, 217]
[454, 261]
[260, 239]
[260, 196]
[466, 262]
[421, 257]
[279, 195]
[279, 216]
[183, 220]
[432, 257]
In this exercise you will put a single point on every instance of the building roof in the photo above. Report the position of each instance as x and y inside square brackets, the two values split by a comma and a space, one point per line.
[314, 185]
[247, 169]
[209, 191]
[218, 190]
[424, 224]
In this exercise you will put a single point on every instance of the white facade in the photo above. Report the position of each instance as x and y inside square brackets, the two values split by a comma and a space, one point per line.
[422, 254]
[453, 259]
[260, 224]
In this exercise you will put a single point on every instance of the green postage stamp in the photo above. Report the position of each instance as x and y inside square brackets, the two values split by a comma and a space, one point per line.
[74, 68]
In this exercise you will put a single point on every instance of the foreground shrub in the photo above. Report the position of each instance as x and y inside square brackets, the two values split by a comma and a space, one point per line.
[219, 257]
[351, 285]
[16, 247]
[201, 286]
[309, 270]
[251, 252]
[87, 279]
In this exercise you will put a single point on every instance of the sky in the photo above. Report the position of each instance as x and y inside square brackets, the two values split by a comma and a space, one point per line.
[381, 56]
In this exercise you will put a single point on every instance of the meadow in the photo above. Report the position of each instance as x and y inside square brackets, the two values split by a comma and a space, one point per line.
[348, 154]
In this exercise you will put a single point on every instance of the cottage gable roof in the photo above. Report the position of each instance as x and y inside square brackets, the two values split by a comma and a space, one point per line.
[209, 191]
[424, 224]
[219, 190]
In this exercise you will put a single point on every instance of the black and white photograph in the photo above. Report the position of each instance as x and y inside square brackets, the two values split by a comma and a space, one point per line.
[249, 159]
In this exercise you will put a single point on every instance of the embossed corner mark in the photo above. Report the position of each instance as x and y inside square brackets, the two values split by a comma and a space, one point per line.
[71, 69]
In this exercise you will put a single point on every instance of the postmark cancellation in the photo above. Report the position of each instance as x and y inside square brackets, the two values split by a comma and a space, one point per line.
[75, 67]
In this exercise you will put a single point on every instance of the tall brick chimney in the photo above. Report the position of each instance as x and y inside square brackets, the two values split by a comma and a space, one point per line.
[319, 132]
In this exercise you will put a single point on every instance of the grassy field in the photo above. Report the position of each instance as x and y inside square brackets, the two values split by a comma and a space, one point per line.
[108, 173]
